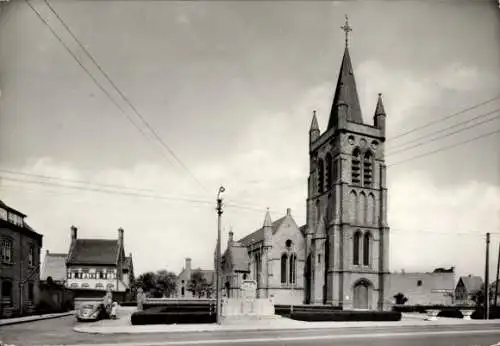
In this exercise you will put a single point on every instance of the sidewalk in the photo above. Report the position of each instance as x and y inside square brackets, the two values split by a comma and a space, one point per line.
[24, 319]
[122, 325]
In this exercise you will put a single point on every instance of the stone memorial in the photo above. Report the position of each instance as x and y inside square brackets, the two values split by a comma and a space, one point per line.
[247, 305]
[140, 299]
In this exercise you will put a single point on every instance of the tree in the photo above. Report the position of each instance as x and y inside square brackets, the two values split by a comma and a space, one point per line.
[157, 285]
[400, 299]
[199, 285]
[166, 282]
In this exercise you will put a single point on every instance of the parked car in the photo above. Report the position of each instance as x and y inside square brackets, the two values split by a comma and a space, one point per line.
[92, 312]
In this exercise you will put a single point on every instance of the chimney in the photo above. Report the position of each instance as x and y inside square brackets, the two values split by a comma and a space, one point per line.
[120, 236]
[288, 212]
[188, 263]
[74, 233]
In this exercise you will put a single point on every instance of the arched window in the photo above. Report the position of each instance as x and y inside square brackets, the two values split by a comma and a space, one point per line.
[353, 199]
[292, 268]
[321, 176]
[366, 249]
[361, 209]
[370, 210]
[368, 169]
[355, 247]
[284, 259]
[356, 167]
[328, 173]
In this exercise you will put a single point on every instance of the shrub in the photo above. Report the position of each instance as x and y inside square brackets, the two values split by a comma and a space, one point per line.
[317, 316]
[162, 315]
[479, 313]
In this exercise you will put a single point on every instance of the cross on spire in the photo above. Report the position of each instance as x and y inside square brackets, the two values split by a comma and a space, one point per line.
[346, 29]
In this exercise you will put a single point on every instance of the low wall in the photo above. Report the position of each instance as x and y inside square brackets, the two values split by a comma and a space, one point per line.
[243, 307]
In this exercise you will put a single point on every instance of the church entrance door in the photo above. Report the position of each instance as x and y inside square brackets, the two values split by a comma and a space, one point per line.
[361, 296]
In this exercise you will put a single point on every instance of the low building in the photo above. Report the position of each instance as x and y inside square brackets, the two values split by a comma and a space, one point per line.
[94, 266]
[436, 288]
[466, 287]
[20, 249]
[183, 284]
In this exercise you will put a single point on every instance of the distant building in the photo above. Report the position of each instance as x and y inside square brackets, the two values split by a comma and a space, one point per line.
[466, 287]
[54, 267]
[19, 263]
[95, 265]
[436, 288]
[184, 278]
[273, 256]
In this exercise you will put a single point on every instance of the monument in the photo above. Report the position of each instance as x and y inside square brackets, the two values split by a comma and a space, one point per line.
[247, 305]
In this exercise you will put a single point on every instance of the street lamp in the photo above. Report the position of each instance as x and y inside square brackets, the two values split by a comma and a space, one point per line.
[218, 255]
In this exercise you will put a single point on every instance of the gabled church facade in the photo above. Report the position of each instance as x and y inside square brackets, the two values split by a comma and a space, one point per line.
[272, 256]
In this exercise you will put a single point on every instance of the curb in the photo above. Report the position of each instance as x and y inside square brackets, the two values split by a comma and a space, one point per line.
[213, 328]
[35, 318]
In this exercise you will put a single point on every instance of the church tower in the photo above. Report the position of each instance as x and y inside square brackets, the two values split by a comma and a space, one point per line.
[347, 237]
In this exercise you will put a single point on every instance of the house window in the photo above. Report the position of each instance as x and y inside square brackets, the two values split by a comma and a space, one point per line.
[7, 246]
[355, 247]
[74, 285]
[110, 286]
[419, 283]
[85, 285]
[7, 292]
[100, 275]
[366, 249]
[284, 259]
[356, 167]
[319, 258]
[183, 291]
[31, 256]
[244, 276]
[3, 214]
[31, 292]
[292, 268]
[99, 285]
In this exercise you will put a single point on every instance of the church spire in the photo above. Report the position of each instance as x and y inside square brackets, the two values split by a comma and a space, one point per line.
[345, 100]
[314, 130]
[379, 117]
[379, 110]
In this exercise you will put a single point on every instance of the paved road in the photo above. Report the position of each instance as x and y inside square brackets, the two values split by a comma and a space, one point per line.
[60, 332]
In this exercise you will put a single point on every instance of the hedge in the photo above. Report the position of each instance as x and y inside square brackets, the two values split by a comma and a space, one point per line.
[345, 315]
[450, 311]
[163, 315]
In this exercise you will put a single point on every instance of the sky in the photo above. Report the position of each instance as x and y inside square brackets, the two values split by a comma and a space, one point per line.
[229, 88]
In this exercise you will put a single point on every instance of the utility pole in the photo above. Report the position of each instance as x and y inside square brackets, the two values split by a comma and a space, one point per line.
[487, 279]
[498, 272]
[218, 255]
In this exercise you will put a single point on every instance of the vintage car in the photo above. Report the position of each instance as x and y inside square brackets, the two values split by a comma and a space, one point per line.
[92, 312]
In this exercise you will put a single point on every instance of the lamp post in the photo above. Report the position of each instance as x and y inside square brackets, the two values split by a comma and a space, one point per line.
[218, 255]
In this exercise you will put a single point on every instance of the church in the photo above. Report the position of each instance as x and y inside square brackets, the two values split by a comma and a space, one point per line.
[340, 257]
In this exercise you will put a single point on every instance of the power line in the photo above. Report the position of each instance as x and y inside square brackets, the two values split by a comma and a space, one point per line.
[404, 148]
[125, 98]
[446, 117]
[453, 126]
[445, 148]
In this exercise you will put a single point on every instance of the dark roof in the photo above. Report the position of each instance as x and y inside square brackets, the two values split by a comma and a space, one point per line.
[208, 274]
[303, 230]
[239, 257]
[54, 265]
[3, 205]
[472, 283]
[94, 251]
[258, 235]
[347, 93]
